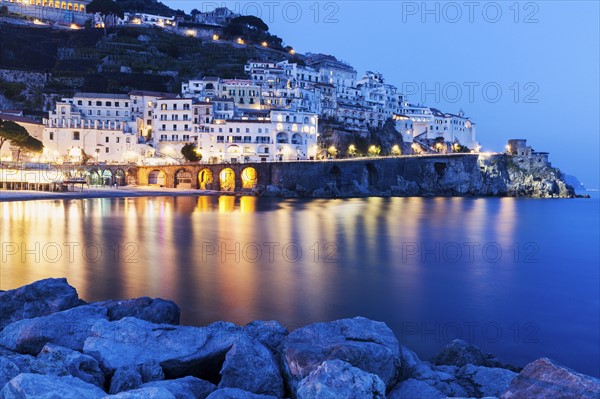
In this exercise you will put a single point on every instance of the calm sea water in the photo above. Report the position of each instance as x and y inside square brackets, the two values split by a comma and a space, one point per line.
[517, 277]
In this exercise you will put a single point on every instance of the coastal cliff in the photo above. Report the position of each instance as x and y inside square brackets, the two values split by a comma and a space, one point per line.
[53, 344]
[438, 175]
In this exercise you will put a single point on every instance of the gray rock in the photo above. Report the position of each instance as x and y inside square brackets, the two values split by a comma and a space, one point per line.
[273, 191]
[338, 379]
[485, 381]
[41, 298]
[68, 328]
[366, 344]
[185, 388]
[413, 389]
[269, 333]
[157, 310]
[459, 353]
[409, 361]
[252, 367]
[144, 393]
[180, 350]
[545, 379]
[151, 371]
[441, 378]
[234, 393]
[125, 379]
[49, 387]
[8, 370]
[60, 361]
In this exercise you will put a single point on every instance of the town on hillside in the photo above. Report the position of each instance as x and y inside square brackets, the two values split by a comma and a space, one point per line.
[299, 109]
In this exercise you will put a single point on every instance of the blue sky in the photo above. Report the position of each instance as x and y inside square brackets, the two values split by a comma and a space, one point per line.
[518, 69]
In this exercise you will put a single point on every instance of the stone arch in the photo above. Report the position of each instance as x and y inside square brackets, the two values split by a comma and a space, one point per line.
[93, 177]
[205, 179]
[157, 178]
[119, 177]
[296, 138]
[107, 177]
[183, 179]
[282, 137]
[131, 179]
[372, 175]
[227, 179]
[335, 176]
[249, 178]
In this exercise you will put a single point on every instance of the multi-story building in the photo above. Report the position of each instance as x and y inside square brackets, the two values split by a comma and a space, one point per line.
[61, 11]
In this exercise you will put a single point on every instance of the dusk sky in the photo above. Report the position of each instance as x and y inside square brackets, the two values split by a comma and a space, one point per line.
[519, 70]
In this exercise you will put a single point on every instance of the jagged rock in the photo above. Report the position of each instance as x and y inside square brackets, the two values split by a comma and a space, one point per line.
[273, 191]
[459, 353]
[338, 379]
[144, 393]
[156, 310]
[409, 360]
[269, 333]
[366, 344]
[405, 188]
[485, 381]
[180, 350]
[49, 387]
[41, 298]
[442, 378]
[125, 379]
[60, 361]
[413, 389]
[252, 367]
[545, 379]
[234, 393]
[8, 370]
[131, 377]
[185, 388]
[285, 193]
[68, 328]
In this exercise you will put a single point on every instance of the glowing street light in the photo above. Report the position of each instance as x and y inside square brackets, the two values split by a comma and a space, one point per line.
[396, 149]
[264, 44]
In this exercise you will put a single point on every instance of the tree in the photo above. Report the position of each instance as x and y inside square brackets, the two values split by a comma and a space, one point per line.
[250, 22]
[106, 9]
[13, 132]
[29, 144]
[190, 153]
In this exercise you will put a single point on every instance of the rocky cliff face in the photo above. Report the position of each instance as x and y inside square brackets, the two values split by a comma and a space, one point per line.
[449, 175]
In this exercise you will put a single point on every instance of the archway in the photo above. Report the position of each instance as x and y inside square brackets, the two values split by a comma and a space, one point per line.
[93, 178]
[335, 176]
[372, 175]
[249, 178]
[282, 138]
[227, 179]
[296, 138]
[205, 179]
[183, 179]
[157, 178]
[107, 178]
[120, 177]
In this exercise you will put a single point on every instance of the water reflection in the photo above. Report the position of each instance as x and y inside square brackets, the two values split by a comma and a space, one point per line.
[400, 260]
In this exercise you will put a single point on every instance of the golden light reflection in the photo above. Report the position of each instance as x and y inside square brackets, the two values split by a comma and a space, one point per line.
[227, 179]
[247, 204]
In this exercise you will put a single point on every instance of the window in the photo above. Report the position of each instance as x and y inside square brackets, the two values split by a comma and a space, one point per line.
[89, 111]
[148, 122]
[108, 104]
[237, 129]
[107, 139]
[51, 136]
[126, 113]
[98, 103]
[79, 102]
[163, 137]
[118, 139]
[117, 104]
[174, 106]
[247, 130]
[107, 113]
[107, 150]
[89, 103]
[116, 113]
[260, 130]
[75, 135]
[128, 140]
[98, 112]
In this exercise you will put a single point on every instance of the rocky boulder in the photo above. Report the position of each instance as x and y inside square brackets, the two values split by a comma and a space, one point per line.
[179, 350]
[41, 298]
[49, 387]
[459, 353]
[252, 367]
[482, 381]
[545, 379]
[68, 328]
[130, 377]
[234, 393]
[413, 389]
[368, 345]
[8, 370]
[184, 388]
[338, 379]
[156, 310]
[144, 393]
[60, 361]
[269, 333]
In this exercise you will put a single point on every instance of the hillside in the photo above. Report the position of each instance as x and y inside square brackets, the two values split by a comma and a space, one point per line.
[128, 58]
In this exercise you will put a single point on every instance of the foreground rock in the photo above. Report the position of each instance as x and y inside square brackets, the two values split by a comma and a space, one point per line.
[41, 298]
[185, 388]
[368, 345]
[156, 310]
[545, 379]
[49, 387]
[68, 328]
[338, 379]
